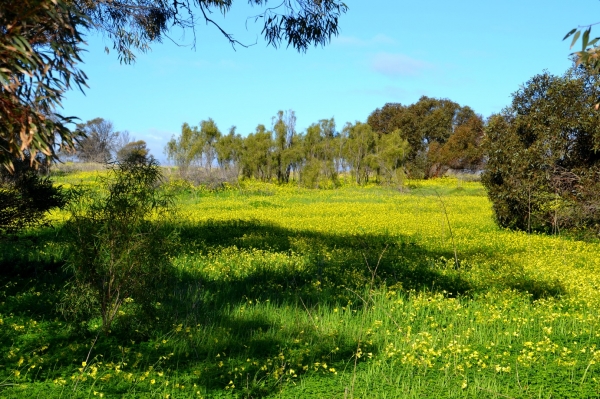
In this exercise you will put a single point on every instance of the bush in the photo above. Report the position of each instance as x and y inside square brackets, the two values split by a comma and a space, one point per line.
[543, 166]
[26, 197]
[120, 240]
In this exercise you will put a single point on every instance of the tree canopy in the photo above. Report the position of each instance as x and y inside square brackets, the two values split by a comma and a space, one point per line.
[543, 164]
[427, 126]
[134, 24]
[423, 139]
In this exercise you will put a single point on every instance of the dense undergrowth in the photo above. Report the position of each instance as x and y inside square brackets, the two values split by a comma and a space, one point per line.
[295, 293]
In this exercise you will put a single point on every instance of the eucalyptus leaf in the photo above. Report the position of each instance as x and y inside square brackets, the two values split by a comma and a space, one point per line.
[570, 33]
[575, 38]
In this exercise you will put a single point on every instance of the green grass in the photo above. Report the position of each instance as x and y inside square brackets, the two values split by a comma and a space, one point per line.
[283, 292]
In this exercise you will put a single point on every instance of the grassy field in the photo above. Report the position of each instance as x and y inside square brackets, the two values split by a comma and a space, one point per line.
[283, 292]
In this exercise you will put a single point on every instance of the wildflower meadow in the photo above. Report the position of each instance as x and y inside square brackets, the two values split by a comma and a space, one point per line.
[280, 291]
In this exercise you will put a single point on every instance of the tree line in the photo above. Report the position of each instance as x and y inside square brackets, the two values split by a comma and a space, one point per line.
[40, 53]
[539, 156]
[421, 140]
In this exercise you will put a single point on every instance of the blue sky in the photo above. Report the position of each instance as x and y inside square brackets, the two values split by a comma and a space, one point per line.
[475, 53]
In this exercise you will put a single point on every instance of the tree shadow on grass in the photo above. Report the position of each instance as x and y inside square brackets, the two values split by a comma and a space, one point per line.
[337, 269]
[334, 261]
[332, 271]
[507, 275]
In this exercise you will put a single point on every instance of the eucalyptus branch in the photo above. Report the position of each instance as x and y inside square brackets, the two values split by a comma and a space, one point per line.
[229, 37]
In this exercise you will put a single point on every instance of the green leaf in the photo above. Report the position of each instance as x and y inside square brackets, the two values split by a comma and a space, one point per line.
[594, 41]
[570, 33]
[586, 38]
[577, 34]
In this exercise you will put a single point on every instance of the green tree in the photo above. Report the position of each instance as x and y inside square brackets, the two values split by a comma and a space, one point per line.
[186, 149]
[339, 145]
[209, 135]
[543, 166]
[284, 151]
[360, 144]
[257, 154]
[464, 149]
[319, 151]
[426, 125]
[228, 149]
[391, 153]
[196, 146]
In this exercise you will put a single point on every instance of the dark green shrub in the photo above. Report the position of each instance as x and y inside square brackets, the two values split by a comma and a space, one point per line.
[543, 163]
[26, 197]
[120, 240]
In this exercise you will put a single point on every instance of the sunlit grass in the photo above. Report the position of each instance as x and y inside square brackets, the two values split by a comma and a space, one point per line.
[352, 292]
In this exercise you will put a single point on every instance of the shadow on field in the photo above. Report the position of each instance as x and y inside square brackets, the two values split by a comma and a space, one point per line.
[333, 264]
[335, 268]
[325, 270]
[332, 271]
[329, 270]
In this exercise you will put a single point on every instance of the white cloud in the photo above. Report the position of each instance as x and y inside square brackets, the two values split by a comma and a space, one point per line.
[398, 65]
